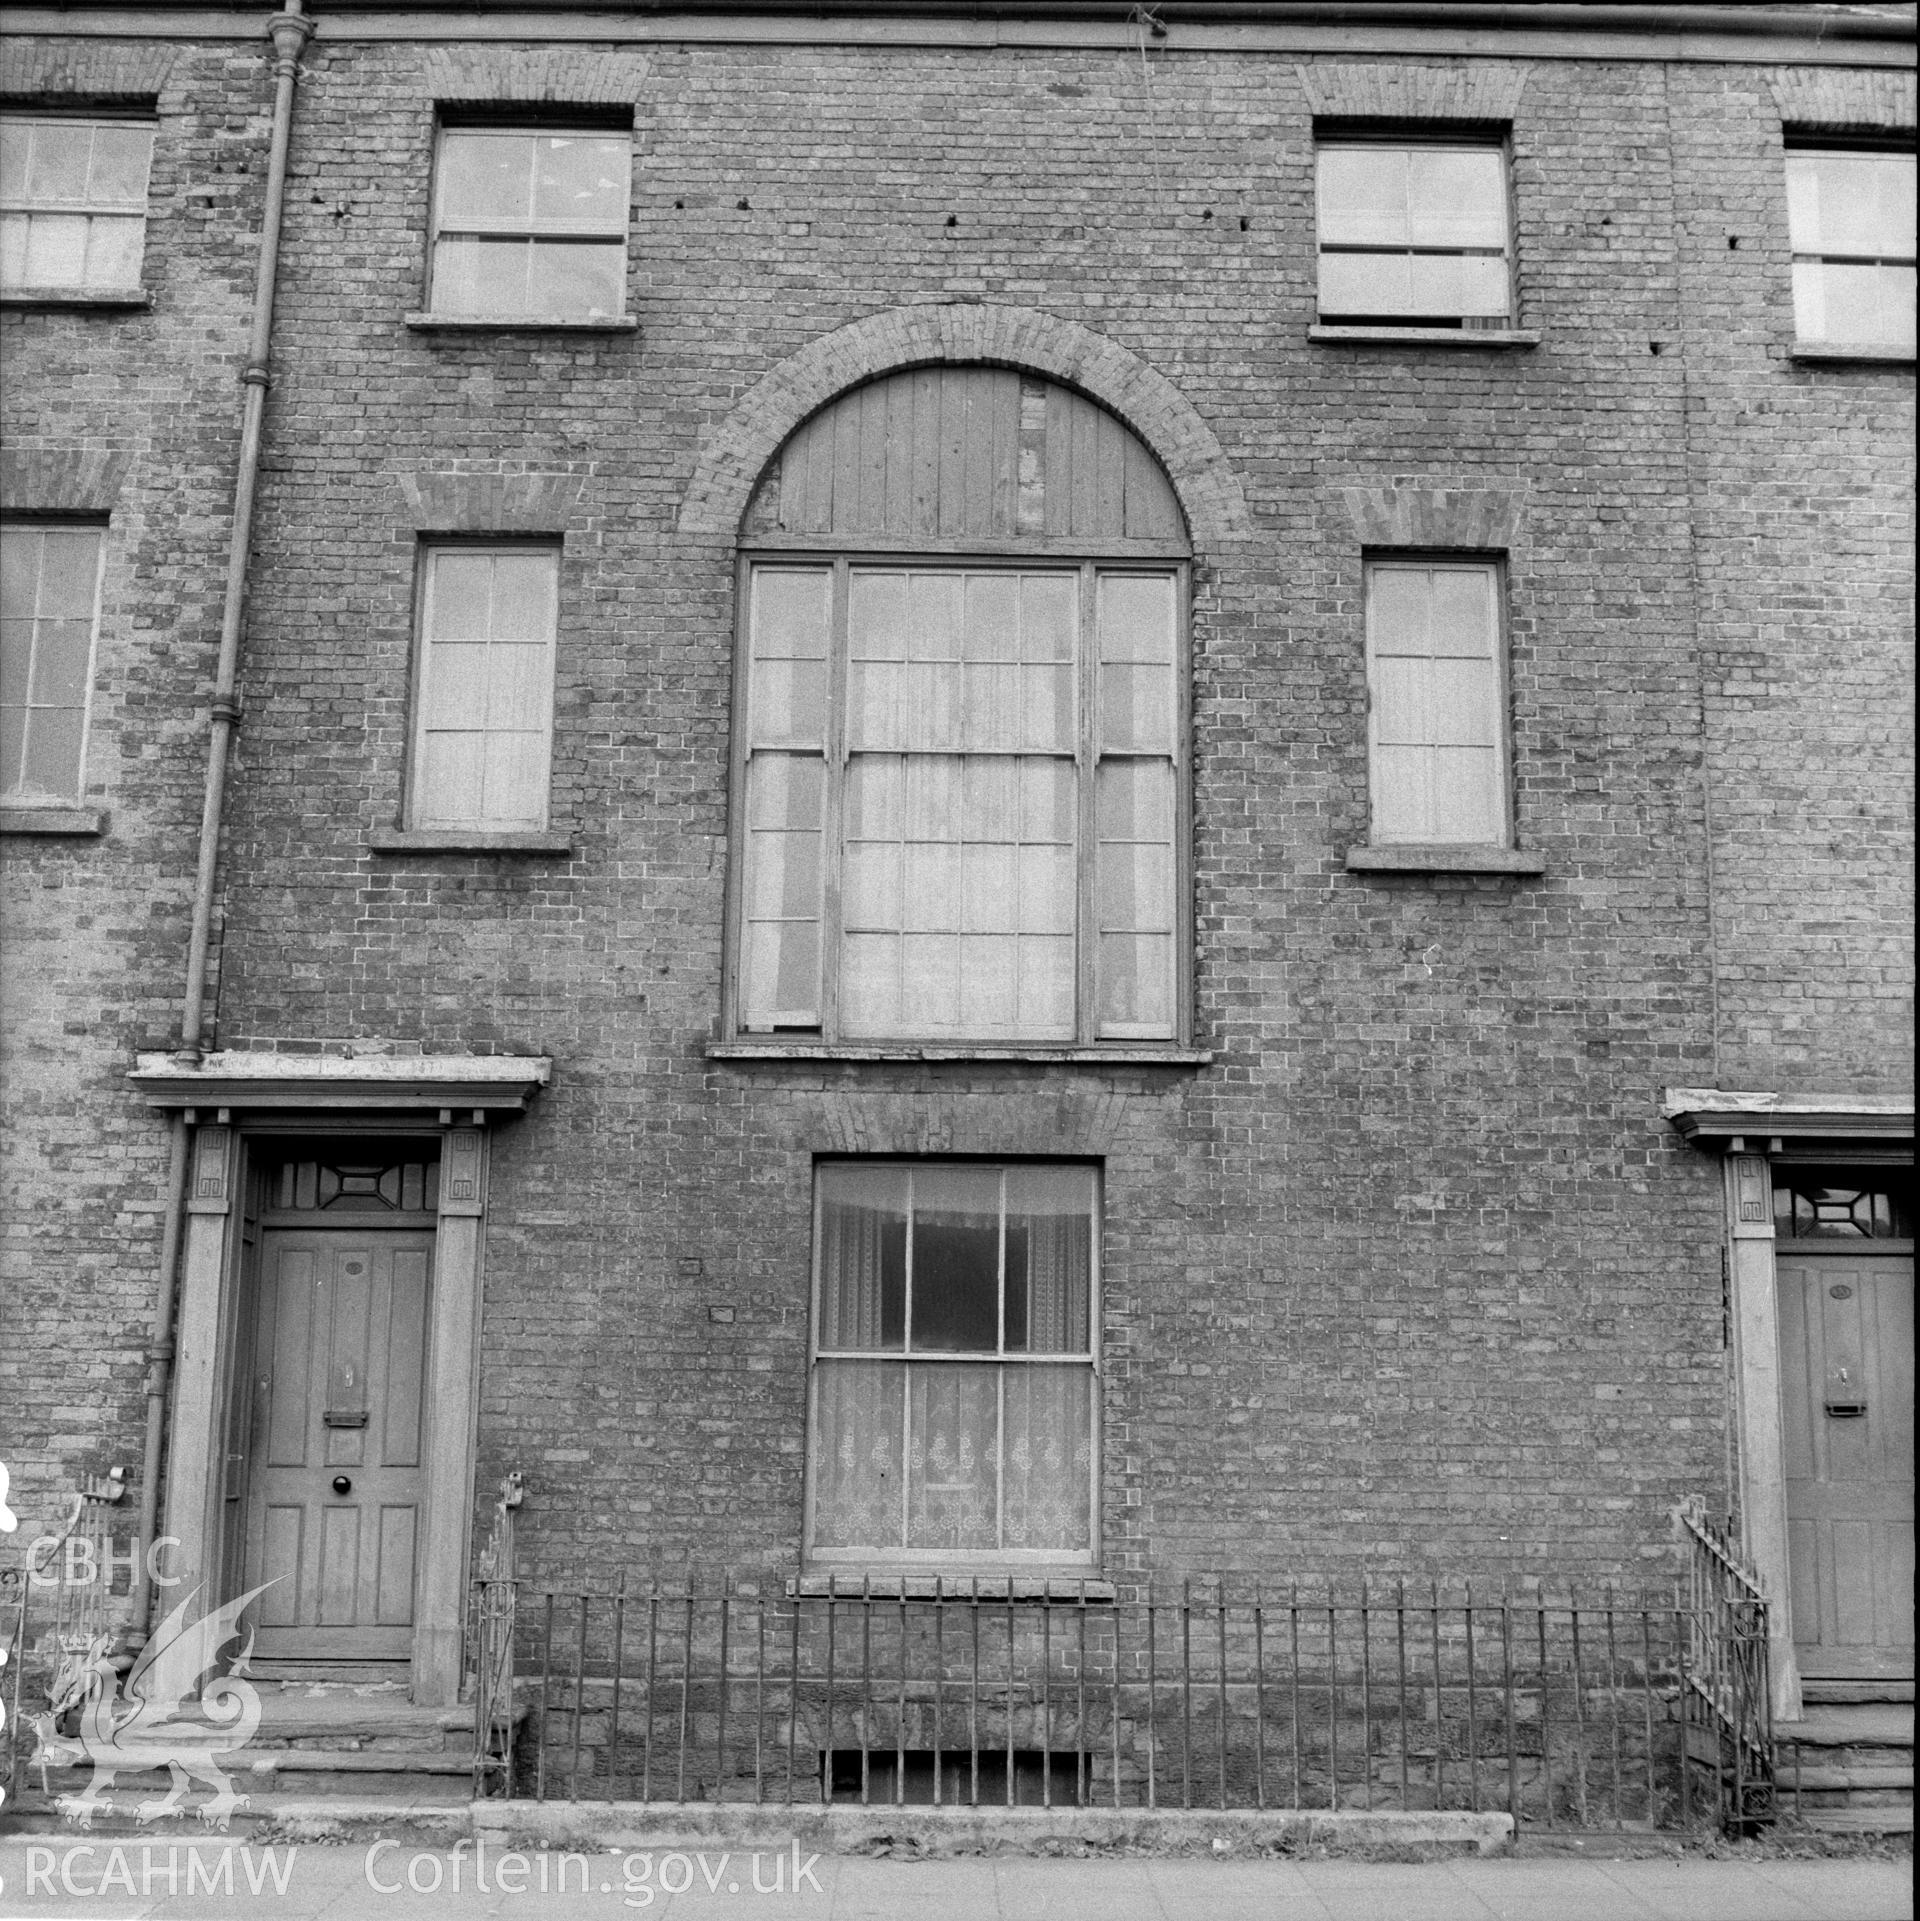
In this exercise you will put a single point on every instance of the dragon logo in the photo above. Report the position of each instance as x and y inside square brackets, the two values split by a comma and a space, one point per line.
[152, 1723]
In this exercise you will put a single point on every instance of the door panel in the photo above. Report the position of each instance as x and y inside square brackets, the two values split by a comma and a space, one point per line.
[340, 1357]
[1846, 1389]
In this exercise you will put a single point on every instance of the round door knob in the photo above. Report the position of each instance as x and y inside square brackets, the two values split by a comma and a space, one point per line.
[341, 1485]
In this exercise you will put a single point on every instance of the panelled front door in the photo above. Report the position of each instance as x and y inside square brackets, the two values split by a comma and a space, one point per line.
[336, 1478]
[1846, 1353]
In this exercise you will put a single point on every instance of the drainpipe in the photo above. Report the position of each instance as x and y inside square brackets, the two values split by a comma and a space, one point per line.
[289, 31]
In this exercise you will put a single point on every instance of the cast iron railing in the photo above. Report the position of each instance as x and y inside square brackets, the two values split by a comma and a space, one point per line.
[1729, 1670]
[1576, 1711]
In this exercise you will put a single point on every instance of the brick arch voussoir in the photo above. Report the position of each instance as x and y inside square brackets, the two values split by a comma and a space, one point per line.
[733, 460]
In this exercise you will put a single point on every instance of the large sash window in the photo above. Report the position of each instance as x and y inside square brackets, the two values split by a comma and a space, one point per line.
[961, 802]
[955, 1364]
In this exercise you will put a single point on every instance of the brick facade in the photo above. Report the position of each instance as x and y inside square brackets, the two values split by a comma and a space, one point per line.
[1410, 1278]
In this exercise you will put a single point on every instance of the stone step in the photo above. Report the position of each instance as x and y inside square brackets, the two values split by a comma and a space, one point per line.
[1818, 1691]
[1860, 1820]
[273, 1815]
[1828, 1780]
[1868, 1725]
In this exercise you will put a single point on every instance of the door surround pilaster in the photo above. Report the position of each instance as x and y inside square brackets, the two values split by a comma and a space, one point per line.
[227, 1099]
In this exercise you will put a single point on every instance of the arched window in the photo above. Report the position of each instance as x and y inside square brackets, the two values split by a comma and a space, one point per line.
[961, 745]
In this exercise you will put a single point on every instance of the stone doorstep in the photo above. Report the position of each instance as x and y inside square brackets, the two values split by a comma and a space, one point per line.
[1831, 1780]
[940, 1831]
[1868, 1725]
[1859, 1820]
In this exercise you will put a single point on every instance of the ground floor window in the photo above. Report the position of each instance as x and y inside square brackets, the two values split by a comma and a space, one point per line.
[954, 1364]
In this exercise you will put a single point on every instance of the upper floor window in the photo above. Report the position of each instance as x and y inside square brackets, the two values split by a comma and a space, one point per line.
[1436, 704]
[483, 706]
[530, 224]
[49, 612]
[1414, 233]
[1850, 217]
[961, 801]
[960, 745]
[73, 203]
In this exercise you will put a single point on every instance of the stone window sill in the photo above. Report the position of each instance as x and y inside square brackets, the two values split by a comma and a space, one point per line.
[1887, 353]
[855, 1584]
[78, 821]
[104, 300]
[770, 1049]
[518, 323]
[1444, 860]
[1424, 336]
[464, 840]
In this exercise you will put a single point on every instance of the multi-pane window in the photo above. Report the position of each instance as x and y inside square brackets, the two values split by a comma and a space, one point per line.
[531, 225]
[1850, 215]
[1436, 720]
[73, 203]
[49, 610]
[961, 802]
[1413, 234]
[954, 1364]
[484, 704]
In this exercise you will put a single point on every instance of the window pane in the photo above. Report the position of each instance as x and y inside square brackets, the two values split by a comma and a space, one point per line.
[455, 690]
[16, 136]
[57, 166]
[1462, 602]
[13, 249]
[514, 795]
[1133, 619]
[929, 986]
[60, 651]
[1458, 285]
[57, 250]
[1462, 697]
[1458, 198]
[863, 1257]
[121, 156]
[16, 655]
[859, 1499]
[13, 748]
[114, 247]
[524, 591]
[1466, 798]
[1049, 1259]
[460, 605]
[486, 178]
[1047, 1459]
[69, 574]
[451, 780]
[581, 179]
[953, 1458]
[1849, 305]
[1366, 283]
[781, 964]
[1134, 803]
[481, 276]
[1851, 203]
[519, 686]
[1363, 196]
[53, 752]
[577, 279]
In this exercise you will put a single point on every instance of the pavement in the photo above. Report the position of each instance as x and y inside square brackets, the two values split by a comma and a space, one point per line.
[75, 1878]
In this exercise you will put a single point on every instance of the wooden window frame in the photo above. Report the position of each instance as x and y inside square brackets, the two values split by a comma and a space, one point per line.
[1466, 137]
[1086, 761]
[1412, 559]
[529, 127]
[428, 549]
[94, 117]
[895, 1562]
[17, 524]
